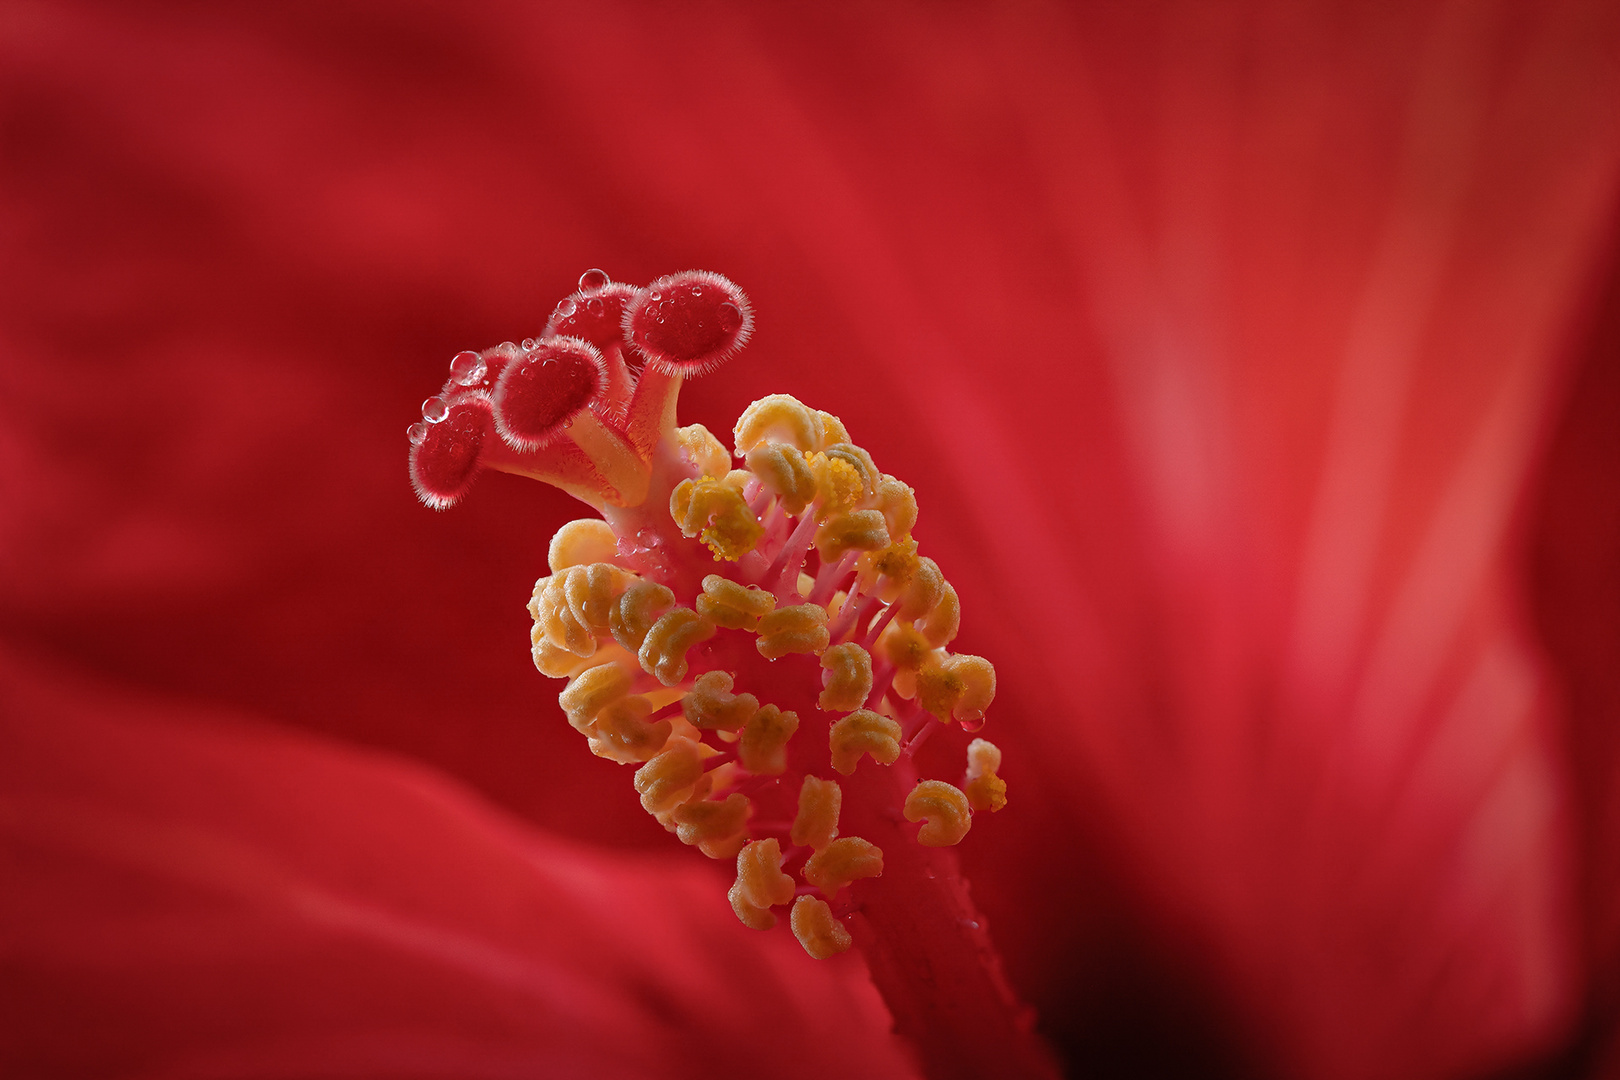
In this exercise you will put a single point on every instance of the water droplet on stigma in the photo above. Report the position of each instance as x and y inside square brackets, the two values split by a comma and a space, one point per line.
[730, 318]
[416, 433]
[468, 368]
[593, 279]
[435, 409]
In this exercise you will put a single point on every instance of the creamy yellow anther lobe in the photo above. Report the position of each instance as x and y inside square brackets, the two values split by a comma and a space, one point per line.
[715, 512]
[669, 775]
[732, 605]
[761, 884]
[641, 605]
[763, 746]
[663, 653]
[848, 680]
[777, 418]
[847, 859]
[818, 931]
[716, 828]
[863, 732]
[706, 453]
[711, 706]
[816, 824]
[801, 628]
[944, 810]
[984, 789]
[588, 540]
[783, 471]
[621, 732]
[956, 687]
[854, 530]
[591, 691]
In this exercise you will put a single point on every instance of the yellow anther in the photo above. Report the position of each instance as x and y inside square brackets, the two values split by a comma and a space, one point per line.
[893, 567]
[816, 823]
[847, 859]
[621, 732]
[923, 592]
[838, 483]
[902, 646]
[711, 706]
[641, 605]
[777, 418]
[858, 530]
[760, 884]
[801, 628]
[832, 429]
[783, 471]
[591, 691]
[552, 661]
[549, 606]
[732, 605]
[577, 543]
[957, 687]
[848, 678]
[762, 750]
[943, 809]
[984, 789]
[898, 503]
[716, 827]
[859, 460]
[715, 512]
[863, 732]
[669, 776]
[591, 591]
[663, 653]
[706, 453]
[940, 625]
[821, 934]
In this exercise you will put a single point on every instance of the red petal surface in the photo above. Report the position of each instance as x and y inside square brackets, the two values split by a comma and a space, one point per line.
[1220, 342]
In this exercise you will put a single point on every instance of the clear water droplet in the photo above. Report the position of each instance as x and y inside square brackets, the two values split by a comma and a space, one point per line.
[593, 279]
[697, 290]
[970, 726]
[468, 368]
[595, 306]
[730, 318]
[567, 308]
[435, 409]
[655, 295]
[416, 433]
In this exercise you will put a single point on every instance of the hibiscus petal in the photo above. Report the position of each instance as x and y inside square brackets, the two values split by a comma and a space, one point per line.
[189, 894]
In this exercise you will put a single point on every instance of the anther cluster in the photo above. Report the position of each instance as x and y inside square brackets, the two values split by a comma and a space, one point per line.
[745, 627]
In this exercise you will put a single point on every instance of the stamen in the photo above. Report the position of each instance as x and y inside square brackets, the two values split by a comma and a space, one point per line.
[944, 811]
[818, 931]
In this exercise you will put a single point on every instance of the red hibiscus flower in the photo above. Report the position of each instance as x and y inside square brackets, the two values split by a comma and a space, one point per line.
[1255, 368]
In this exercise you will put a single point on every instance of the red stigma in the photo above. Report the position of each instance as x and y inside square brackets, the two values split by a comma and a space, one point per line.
[689, 323]
[444, 453]
[540, 392]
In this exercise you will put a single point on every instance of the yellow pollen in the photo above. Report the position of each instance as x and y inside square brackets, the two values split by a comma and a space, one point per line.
[821, 934]
[898, 502]
[838, 484]
[801, 628]
[893, 566]
[663, 653]
[816, 823]
[923, 592]
[863, 732]
[858, 530]
[832, 430]
[732, 605]
[549, 606]
[903, 646]
[714, 511]
[956, 687]
[940, 625]
[943, 809]
[762, 750]
[848, 680]
[847, 859]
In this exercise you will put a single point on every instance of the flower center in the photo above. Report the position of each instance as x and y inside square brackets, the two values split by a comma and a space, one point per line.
[754, 639]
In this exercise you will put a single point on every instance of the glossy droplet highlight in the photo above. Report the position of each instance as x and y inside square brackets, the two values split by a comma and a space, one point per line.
[593, 279]
[730, 318]
[416, 432]
[468, 368]
[435, 409]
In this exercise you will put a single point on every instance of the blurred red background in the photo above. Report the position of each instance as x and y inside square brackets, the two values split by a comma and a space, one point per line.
[1256, 368]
